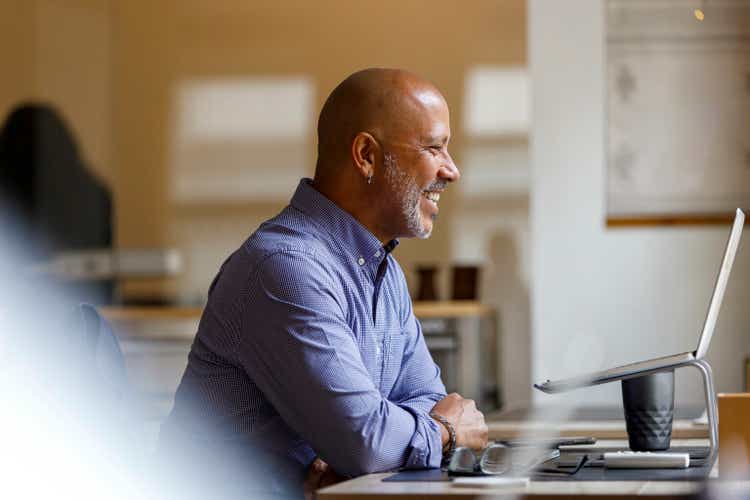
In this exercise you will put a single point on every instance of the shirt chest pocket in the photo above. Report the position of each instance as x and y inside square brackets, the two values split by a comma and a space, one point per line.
[393, 350]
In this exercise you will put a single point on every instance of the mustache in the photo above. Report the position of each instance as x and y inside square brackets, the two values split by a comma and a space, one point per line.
[437, 186]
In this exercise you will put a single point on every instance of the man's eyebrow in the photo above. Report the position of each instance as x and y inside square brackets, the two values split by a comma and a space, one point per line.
[442, 139]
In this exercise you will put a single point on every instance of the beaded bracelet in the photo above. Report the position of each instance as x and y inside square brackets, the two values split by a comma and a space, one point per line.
[451, 444]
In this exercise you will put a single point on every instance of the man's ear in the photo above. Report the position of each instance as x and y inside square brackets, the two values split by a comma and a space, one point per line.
[364, 147]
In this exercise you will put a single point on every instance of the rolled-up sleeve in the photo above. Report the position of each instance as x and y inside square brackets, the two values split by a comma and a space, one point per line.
[298, 348]
[418, 387]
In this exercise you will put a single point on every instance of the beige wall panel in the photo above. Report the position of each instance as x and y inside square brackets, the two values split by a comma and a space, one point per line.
[16, 52]
[72, 71]
[141, 54]
[59, 52]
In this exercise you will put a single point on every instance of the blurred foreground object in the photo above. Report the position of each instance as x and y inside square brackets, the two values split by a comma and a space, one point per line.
[68, 408]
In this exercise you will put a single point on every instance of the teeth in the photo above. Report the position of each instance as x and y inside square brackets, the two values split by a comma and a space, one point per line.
[432, 196]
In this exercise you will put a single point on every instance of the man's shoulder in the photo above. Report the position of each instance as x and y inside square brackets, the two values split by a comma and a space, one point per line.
[282, 256]
[292, 263]
[288, 233]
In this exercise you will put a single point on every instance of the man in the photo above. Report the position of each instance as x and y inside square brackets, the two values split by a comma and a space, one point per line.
[308, 346]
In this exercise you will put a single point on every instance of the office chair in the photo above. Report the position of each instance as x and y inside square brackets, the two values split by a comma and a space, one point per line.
[101, 351]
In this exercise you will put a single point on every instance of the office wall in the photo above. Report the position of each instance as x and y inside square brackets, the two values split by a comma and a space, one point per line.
[16, 52]
[607, 296]
[112, 67]
[59, 53]
[323, 41]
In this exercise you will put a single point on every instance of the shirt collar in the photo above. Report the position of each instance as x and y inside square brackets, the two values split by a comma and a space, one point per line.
[363, 246]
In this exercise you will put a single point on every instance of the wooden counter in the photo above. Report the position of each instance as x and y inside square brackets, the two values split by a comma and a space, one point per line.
[145, 316]
[156, 342]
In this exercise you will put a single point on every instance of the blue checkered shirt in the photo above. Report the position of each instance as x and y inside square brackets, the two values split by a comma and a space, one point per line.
[309, 346]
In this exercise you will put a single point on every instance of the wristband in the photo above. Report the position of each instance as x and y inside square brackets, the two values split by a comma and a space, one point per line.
[451, 444]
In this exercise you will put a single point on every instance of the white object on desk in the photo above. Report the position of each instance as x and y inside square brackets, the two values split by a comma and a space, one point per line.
[646, 460]
[107, 263]
[491, 482]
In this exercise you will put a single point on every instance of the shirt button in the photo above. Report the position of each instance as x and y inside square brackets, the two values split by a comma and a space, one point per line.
[361, 261]
[377, 254]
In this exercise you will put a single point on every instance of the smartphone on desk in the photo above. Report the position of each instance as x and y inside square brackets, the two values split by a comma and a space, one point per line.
[549, 443]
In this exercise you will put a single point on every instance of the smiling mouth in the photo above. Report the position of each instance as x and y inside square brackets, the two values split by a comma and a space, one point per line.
[433, 196]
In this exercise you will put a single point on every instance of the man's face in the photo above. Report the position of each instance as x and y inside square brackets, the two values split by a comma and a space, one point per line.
[417, 167]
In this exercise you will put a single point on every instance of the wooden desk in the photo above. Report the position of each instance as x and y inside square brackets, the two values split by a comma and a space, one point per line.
[611, 429]
[372, 487]
[601, 422]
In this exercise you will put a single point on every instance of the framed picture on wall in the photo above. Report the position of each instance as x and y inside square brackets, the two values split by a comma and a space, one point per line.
[678, 111]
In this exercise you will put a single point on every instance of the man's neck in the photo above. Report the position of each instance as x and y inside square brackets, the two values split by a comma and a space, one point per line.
[355, 204]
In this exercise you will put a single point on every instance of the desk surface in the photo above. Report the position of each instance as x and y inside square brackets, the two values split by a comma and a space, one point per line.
[371, 486]
[681, 429]
[602, 422]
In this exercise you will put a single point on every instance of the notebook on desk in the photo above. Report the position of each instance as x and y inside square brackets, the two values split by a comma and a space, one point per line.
[675, 360]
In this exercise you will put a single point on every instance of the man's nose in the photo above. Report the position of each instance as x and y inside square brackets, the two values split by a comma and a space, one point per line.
[449, 170]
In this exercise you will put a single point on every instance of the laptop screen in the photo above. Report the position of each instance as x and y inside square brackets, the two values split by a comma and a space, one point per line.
[721, 285]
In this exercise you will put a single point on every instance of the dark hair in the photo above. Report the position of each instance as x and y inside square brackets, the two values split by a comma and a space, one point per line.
[31, 136]
[59, 204]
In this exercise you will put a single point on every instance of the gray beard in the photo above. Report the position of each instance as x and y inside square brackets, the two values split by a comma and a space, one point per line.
[409, 193]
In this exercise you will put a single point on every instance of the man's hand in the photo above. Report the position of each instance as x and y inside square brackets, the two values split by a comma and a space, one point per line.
[468, 422]
[319, 475]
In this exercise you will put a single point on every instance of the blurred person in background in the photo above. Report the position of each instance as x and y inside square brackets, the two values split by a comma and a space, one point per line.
[58, 204]
[309, 364]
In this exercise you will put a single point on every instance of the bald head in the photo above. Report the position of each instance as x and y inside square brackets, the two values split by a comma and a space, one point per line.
[382, 102]
[383, 151]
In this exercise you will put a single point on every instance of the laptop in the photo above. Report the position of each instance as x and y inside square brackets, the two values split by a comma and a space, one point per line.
[675, 360]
